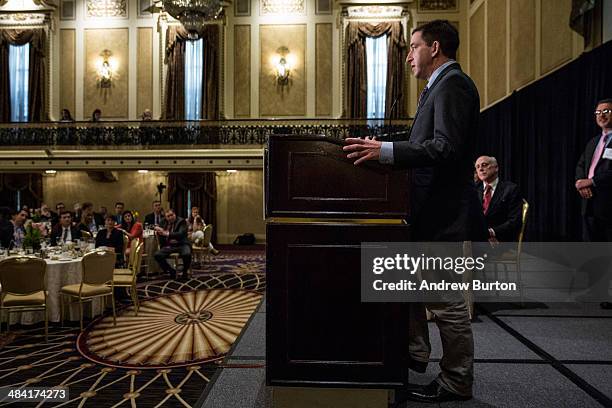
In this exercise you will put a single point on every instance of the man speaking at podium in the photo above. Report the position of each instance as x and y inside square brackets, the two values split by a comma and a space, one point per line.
[444, 204]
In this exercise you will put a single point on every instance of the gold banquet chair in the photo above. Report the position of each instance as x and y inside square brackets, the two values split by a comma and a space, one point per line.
[129, 281]
[510, 258]
[23, 287]
[97, 276]
[86, 235]
[202, 252]
[129, 268]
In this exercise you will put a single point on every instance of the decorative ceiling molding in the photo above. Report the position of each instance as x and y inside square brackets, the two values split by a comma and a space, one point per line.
[188, 159]
[281, 7]
[107, 8]
[22, 19]
[375, 11]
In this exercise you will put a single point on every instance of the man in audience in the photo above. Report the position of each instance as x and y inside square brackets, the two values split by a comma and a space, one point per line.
[501, 202]
[172, 235]
[103, 211]
[88, 208]
[119, 212]
[157, 216]
[64, 231]
[59, 208]
[18, 219]
[111, 237]
[46, 215]
[594, 184]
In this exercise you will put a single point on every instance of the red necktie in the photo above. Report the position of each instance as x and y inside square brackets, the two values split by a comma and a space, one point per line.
[487, 198]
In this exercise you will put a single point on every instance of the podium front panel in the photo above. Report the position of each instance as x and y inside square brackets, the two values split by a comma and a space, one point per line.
[318, 330]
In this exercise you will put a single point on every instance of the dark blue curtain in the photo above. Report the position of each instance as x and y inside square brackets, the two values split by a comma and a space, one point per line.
[537, 135]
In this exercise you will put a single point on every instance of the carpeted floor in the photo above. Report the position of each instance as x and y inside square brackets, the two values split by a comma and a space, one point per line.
[165, 356]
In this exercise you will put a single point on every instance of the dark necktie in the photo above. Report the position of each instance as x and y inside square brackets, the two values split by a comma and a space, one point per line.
[487, 198]
[422, 96]
[64, 234]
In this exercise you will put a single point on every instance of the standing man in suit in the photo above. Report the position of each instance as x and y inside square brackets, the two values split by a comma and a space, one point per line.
[172, 236]
[157, 216]
[501, 202]
[594, 184]
[444, 203]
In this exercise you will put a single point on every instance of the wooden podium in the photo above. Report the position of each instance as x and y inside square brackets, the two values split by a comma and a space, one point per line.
[319, 208]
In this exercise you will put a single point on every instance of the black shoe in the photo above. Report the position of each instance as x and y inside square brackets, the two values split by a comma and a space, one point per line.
[433, 392]
[606, 305]
[417, 366]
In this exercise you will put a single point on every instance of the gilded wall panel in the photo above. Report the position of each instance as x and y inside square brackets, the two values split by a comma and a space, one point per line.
[242, 71]
[323, 74]
[522, 42]
[556, 34]
[477, 51]
[112, 101]
[67, 70]
[277, 99]
[496, 50]
[144, 74]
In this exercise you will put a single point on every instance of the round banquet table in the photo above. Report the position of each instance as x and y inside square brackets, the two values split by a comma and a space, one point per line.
[60, 273]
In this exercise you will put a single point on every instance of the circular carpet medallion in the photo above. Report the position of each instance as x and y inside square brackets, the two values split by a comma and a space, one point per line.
[171, 331]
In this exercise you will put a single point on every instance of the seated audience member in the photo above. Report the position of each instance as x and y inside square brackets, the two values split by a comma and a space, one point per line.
[87, 224]
[195, 236]
[64, 231]
[195, 212]
[18, 219]
[132, 228]
[96, 115]
[157, 216]
[66, 116]
[111, 237]
[88, 208]
[119, 206]
[59, 208]
[172, 235]
[46, 215]
[103, 211]
[501, 202]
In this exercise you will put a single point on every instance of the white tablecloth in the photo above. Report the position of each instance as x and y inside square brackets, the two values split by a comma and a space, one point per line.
[60, 273]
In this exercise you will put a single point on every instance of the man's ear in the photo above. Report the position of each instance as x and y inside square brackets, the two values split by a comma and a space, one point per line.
[435, 49]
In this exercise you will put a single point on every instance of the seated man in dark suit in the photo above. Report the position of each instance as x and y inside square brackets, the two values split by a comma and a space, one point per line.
[501, 202]
[64, 231]
[172, 235]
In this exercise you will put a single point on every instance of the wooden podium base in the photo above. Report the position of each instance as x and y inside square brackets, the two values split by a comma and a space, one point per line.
[304, 397]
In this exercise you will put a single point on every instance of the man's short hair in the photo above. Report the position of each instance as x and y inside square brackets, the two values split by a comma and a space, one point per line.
[443, 32]
[86, 205]
[119, 203]
[65, 212]
[606, 100]
[195, 207]
[170, 209]
[156, 201]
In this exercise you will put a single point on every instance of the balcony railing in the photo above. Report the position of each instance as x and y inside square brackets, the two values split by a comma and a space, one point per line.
[186, 133]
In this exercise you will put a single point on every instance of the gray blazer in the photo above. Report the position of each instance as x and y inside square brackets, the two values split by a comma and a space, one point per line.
[441, 150]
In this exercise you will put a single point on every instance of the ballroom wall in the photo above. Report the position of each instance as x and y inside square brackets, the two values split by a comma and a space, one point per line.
[512, 43]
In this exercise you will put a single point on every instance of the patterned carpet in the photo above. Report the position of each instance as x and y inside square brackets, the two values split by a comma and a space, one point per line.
[163, 357]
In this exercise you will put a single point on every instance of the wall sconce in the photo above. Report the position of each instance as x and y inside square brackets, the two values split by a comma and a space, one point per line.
[106, 66]
[283, 65]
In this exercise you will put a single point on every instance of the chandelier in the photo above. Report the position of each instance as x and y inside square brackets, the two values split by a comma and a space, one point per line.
[193, 13]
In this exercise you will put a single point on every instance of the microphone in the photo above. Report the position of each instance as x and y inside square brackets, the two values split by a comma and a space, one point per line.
[387, 136]
[393, 105]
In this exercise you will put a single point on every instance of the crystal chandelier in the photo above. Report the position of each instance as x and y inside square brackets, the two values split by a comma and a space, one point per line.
[193, 13]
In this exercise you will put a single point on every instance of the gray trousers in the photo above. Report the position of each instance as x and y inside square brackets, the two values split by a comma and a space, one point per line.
[452, 317]
[457, 364]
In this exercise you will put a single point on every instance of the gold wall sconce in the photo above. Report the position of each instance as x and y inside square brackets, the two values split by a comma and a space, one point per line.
[106, 67]
[283, 63]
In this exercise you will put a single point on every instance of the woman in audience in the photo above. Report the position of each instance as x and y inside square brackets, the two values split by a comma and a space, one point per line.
[111, 237]
[96, 115]
[130, 227]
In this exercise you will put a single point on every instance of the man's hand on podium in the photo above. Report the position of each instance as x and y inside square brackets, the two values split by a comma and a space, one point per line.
[362, 149]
